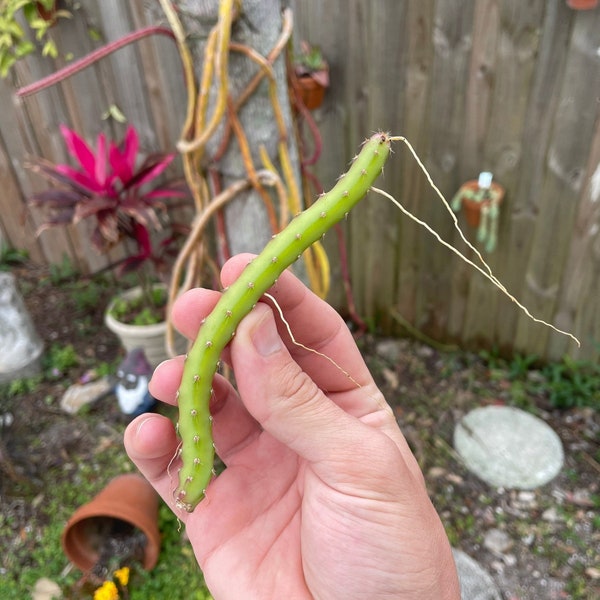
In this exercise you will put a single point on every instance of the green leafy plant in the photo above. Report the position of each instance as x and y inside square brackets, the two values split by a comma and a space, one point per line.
[63, 271]
[59, 359]
[565, 384]
[15, 44]
[144, 310]
[309, 62]
[571, 383]
[10, 257]
[18, 387]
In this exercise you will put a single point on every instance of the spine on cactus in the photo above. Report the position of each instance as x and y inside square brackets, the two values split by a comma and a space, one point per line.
[195, 422]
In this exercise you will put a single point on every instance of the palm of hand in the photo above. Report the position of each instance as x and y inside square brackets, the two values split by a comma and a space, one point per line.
[283, 524]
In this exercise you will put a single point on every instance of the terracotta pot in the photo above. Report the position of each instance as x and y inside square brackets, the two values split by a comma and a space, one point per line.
[472, 208]
[311, 92]
[151, 338]
[582, 4]
[127, 501]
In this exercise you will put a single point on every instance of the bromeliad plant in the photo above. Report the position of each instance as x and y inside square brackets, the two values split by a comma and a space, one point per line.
[121, 199]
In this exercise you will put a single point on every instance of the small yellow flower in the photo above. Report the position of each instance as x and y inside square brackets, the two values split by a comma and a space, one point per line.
[122, 575]
[107, 591]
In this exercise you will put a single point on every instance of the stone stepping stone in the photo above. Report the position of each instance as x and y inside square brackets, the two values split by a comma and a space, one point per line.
[508, 447]
[475, 582]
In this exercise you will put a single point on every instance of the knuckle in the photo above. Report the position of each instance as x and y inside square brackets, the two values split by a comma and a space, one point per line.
[298, 386]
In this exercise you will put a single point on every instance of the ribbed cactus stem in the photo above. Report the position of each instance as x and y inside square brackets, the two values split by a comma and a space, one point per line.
[195, 421]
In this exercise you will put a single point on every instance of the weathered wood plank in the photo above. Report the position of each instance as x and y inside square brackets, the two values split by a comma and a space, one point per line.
[29, 129]
[561, 189]
[451, 42]
[579, 298]
[413, 190]
[378, 221]
[16, 230]
[516, 46]
[162, 71]
[86, 104]
[523, 200]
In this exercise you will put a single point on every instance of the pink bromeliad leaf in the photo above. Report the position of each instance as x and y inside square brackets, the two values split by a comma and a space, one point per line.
[93, 175]
[151, 169]
[100, 171]
[79, 150]
[122, 157]
[82, 179]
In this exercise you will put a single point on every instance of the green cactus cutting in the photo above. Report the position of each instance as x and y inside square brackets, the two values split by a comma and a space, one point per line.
[195, 422]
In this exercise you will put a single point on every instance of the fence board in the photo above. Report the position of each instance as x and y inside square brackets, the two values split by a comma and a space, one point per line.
[16, 230]
[561, 191]
[512, 69]
[418, 63]
[452, 39]
[496, 85]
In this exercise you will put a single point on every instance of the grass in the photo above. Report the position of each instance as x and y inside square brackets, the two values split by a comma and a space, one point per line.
[567, 383]
[34, 552]
[176, 575]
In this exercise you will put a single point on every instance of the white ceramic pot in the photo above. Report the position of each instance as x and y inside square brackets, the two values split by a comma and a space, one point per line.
[151, 338]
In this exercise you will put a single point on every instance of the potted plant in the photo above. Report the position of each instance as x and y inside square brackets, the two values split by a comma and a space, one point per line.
[14, 43]
[582, 4]
[311, 75]
[127, 208]
[480, 201]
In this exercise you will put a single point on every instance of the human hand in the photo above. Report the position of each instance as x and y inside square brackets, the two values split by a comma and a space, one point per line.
[321, 496]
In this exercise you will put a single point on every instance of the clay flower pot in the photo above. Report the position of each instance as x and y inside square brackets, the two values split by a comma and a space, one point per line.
[127, 504]
[472, 208]
[310, 76]
[311, 90]
[582, 4]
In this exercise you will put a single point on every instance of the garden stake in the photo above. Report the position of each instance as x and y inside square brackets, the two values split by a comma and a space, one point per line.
[195, 423]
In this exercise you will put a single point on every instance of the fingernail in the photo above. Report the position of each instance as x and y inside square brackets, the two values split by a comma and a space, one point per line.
[265, 336]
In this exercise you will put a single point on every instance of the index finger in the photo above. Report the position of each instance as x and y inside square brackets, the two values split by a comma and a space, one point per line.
[315, 334]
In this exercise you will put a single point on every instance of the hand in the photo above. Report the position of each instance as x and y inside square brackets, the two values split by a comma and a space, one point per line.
[321, 497]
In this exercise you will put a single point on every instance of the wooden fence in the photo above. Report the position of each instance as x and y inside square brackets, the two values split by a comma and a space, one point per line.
[506, 86]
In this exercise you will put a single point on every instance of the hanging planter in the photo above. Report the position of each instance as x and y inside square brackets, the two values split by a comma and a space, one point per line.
[582, 4]
[479, 200]
[310, 76]
[124, 515]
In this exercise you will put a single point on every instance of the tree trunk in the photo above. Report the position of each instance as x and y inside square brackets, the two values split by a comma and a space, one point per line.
[258, 27]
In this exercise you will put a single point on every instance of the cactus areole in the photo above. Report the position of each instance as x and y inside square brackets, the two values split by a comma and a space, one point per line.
[195, 422]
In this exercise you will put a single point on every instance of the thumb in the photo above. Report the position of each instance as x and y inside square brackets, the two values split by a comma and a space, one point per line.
[282, 397]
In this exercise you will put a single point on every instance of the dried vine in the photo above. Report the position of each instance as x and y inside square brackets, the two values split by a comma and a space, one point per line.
[200, 127]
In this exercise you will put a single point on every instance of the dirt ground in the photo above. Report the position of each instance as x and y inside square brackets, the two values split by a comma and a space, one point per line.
[541, 544]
